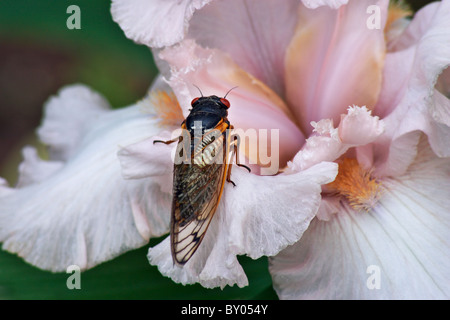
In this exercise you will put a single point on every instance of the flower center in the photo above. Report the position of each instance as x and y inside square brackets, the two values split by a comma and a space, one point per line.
[356, 184]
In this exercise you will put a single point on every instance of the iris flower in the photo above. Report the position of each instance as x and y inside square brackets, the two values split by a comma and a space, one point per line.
[354, 98]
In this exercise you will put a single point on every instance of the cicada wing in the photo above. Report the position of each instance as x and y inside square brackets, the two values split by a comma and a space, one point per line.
[196, 195]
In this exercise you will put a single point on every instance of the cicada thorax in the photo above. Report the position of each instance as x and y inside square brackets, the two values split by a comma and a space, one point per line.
[207, 123]
[210, 148]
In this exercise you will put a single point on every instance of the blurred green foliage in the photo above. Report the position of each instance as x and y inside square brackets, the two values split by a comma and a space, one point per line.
[99, 53]
[127, 277]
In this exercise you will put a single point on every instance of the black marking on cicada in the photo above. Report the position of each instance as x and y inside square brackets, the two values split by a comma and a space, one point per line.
[198, 185]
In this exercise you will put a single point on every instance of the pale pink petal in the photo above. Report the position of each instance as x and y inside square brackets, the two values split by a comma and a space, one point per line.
[254, 106]
[313, 4]
[334, 60]
[81, 211]
[422, 106]
[251, 222]
[393, 157]
[398, 250]
[254, 33]
[365, 156]
[409, 55]
[397, 71]
[155, 23]
[329, 206]
[357, 128]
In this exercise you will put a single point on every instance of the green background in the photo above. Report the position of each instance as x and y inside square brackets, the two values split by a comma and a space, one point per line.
[39, 55]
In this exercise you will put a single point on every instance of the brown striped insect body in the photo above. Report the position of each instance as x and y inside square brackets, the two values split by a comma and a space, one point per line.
[199, 179]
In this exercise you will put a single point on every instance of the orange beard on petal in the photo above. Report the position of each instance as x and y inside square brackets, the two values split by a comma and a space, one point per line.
[356, 185]
[166, 107]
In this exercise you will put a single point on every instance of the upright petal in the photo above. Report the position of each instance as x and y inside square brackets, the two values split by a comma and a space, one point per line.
[254, 33]
[254, 106]
[313, 4]
[81, 211]
[423, 68]
[155, 23]
[398, 250]
[357, 128]
[334, 60]
[394, 156]
[397, 71]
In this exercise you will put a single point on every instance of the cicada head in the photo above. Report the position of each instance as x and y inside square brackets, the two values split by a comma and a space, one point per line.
[209, 111]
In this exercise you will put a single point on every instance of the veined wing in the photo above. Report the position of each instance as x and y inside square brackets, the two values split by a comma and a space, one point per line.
[196, 194]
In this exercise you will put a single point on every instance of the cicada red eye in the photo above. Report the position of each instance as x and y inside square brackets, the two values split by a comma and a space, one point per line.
[194, 101]
[225, 102]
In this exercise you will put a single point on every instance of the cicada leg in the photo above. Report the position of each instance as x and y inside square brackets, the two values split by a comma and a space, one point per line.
[183, 126]
[235, 145]
[166, 142]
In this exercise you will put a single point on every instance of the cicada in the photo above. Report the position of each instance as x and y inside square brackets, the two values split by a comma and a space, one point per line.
[200, 172]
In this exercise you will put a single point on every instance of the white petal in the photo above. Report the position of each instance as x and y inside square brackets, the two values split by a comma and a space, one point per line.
[4, 188]
[67, 116]
[402, 245]
[85, 213]
[265, 220]
[260, 216]
[155, 23]
[146, 158]
[33, 169]
[213, 265]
